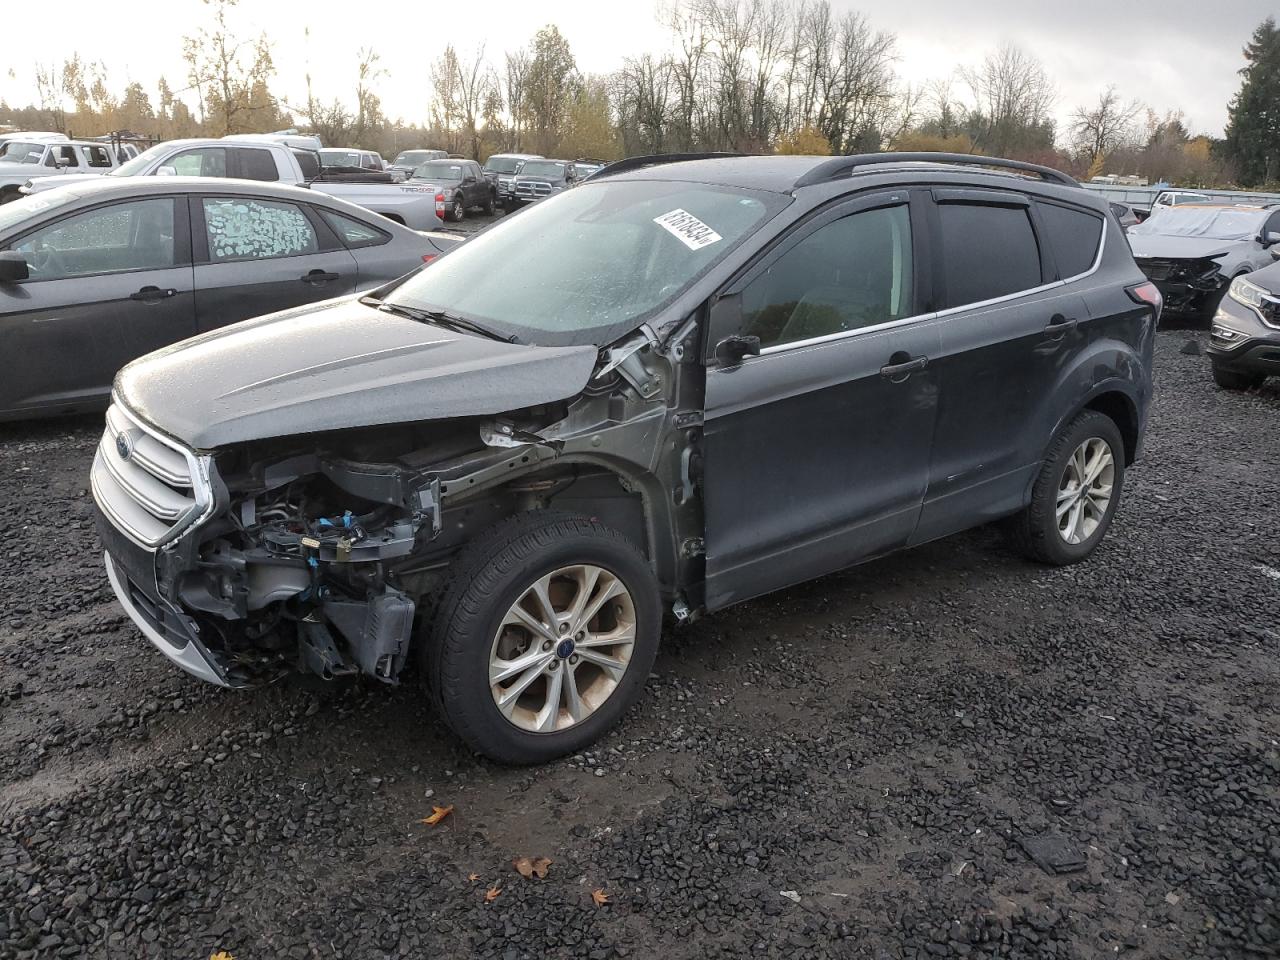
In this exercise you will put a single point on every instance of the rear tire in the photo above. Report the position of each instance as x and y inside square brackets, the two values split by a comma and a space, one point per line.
[1071, 508]
[1229, 379]
[458, 212]
[490, 611]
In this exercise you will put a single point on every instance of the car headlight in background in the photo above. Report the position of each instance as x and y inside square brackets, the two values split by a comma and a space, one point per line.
[1250, 294]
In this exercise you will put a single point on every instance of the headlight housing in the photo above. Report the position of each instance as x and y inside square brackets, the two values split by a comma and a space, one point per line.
[1249, 294]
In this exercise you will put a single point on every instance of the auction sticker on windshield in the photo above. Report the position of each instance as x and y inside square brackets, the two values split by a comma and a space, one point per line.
[688, 229]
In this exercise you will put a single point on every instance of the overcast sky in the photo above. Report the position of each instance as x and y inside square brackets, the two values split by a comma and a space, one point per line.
[1178, 54]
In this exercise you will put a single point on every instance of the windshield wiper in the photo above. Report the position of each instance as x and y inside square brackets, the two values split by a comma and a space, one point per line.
[441, 318]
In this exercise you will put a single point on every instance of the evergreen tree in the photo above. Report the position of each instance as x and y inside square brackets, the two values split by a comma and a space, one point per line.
[1253, 125]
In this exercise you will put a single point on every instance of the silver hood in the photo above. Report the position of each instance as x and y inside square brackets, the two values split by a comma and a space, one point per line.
[1181, 248]
[337, 365]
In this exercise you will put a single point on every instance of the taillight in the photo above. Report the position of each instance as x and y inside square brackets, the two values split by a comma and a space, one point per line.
[439, 198]
[1146, 293]
[428, 257]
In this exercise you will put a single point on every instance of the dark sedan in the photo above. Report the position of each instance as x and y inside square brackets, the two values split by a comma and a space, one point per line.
[98, 273]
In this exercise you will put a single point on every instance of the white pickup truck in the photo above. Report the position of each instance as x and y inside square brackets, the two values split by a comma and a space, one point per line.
[25, 161]
[276, 161]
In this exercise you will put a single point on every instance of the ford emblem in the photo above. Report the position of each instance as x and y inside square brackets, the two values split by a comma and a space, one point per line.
[123, 446]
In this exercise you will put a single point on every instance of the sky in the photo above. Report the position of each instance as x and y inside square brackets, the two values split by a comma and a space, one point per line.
[1178, 54]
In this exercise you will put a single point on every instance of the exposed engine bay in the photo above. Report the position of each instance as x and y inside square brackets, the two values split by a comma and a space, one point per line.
[325, 548]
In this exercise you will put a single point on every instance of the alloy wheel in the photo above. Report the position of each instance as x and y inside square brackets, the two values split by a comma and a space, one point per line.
[562, 648]
[1084, 492]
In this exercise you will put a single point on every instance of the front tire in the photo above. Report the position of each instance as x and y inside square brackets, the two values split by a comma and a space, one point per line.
[1229, 379]
[542, 638]
[489, 205]
[1075, 495]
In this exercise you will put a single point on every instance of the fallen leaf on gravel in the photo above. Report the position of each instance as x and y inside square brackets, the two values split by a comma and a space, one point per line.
[438, 814]
[221, 955]
[791, 895]
[491, 894]
[472, 877]
[600, 897]
[531, 867]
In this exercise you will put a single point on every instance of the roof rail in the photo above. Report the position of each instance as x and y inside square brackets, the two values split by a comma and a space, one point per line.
[841, 166]
[637, 163]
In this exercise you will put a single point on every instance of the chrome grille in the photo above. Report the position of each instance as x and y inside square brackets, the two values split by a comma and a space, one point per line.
[532, 188]
[150, 488]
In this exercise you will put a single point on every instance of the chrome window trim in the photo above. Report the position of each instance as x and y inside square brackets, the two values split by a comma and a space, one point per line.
[941, 314]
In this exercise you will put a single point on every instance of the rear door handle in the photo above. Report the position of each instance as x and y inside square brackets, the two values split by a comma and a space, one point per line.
[903, 368]
[320, 276]
[152, 294]
[1059, 324]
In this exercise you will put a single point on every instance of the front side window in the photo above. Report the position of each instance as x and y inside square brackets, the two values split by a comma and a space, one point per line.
[122, 237]
[987, 252]
[594, 262]
[201, 162]
[353, 232]
[849, 274]
[62, 156]
[243, 229]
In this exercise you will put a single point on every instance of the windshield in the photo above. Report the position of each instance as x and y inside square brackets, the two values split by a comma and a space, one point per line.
[594, 262]
[19, 151]
[542, 168]
[1211, 223]
[340, 158]
[411, 158]
[15, 213]
[438, 170]
[502, 165]
[138, 165]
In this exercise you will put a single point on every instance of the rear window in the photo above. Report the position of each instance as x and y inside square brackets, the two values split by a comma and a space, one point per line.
[258, 165]
[988, 252]
[1073, 236]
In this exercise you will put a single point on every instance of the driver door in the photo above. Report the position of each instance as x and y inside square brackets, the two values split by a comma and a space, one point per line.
[106, 286]
[817, 449]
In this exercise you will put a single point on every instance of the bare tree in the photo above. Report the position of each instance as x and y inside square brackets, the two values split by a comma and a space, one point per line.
[230, 72]
[1013, 98]
[1110, 123]
[515, 83]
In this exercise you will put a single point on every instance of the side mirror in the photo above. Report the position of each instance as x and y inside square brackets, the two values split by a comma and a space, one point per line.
[61, 162]
[732, 350]
[166, 171]
[13, 267]
[1270, 238]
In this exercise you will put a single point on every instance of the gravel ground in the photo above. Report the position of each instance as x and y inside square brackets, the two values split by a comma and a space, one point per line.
[845, 769]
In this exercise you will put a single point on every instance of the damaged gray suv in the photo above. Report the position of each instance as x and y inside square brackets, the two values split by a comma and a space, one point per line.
[722, 377]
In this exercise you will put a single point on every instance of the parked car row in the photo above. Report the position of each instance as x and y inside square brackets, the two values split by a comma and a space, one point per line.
[106, 269]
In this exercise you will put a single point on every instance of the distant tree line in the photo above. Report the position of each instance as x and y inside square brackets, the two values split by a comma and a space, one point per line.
[789, 76]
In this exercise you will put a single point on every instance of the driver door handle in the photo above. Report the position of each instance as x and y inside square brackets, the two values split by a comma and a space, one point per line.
[903, 366]
[153, 294]
[320, 276]
[1060, 324]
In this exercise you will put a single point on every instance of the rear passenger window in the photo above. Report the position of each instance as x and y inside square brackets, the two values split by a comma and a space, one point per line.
[353, 232]
[243, 229]
[1073, 236]
[851, 273]
[988, 252]
[258, 165]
